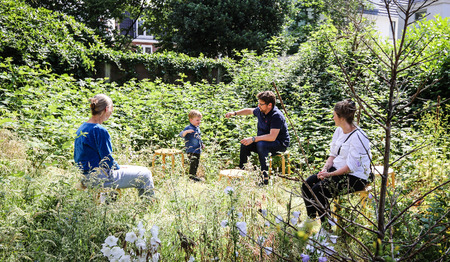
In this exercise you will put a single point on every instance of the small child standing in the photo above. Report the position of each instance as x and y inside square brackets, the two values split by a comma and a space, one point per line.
[193, 142]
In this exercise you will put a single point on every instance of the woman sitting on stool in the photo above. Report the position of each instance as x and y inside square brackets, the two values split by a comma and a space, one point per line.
[346, 169]
[93, 154]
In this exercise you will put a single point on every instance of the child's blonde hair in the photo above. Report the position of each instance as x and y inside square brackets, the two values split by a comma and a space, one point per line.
[194, 113]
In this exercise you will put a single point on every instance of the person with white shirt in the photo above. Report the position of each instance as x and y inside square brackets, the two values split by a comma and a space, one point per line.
[347, 168]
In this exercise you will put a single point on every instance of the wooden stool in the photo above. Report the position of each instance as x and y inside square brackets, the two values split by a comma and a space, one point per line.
[363, 194]
[100, 194]
[378, 170]
[168, 152]
[231, 174]
[284, 155]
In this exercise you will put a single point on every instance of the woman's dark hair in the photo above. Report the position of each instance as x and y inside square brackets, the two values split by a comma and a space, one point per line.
[346, 109]
[99, 103]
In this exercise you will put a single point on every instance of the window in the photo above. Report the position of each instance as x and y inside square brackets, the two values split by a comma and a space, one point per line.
[420, 14]
[141, 30]
[147, 49]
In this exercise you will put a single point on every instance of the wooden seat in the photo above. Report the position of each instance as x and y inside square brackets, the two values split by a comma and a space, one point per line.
[100, 195]
[364, 194]
[378, 170]
[284, 155]
[232, 174]
[168, 152]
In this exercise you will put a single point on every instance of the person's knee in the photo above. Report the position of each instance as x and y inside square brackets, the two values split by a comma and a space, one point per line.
[261, 146]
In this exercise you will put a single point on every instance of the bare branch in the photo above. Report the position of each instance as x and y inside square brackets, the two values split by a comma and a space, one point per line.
[415, 202]
[410, 152]
[424, 109]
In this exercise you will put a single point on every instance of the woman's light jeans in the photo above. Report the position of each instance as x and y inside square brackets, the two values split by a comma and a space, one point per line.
[127, 176]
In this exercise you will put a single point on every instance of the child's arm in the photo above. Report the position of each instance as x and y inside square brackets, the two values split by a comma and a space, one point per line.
[185, 132]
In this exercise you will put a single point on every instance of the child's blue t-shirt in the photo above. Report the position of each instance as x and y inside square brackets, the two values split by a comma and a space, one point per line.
[93, 148]
[193, 141]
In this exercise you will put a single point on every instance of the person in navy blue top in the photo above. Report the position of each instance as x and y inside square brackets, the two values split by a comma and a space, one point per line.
[272, 136]
[93, 154]
[193, 142]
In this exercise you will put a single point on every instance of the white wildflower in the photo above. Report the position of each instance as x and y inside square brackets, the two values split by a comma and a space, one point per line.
[333, 239]
[294, 221]
[142, 258]
[156, 257]
[242, 226]
[239, 214]
[155, 242]
[268, 250]
[111, 241]
[264, 212]
[332, 221]
[117, 252]
[296, 214]
[191, 259]
[224, 223]
[278, 219]
[155, 231]
[125, 258]
[267, 224]
[261, 240]
[130, 237]
[140, 243]
[106, 251]
[229, 190]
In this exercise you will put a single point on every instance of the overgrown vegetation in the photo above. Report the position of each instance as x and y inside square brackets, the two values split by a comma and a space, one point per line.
[43, 216]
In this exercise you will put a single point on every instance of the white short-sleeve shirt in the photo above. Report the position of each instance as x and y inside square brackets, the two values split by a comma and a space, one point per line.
[355, 152]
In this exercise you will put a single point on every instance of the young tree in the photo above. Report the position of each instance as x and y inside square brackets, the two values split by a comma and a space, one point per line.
[399, 70]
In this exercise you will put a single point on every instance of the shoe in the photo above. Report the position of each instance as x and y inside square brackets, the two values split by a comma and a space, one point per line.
[264, 182]
[194, 178]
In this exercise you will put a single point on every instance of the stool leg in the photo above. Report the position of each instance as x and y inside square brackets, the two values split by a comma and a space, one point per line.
[363, 202]
[153, 162]
[270, 165]
[393, 179]
[289, 164]
[173, 162]
[164, 161]
[182, 161]
[337, 208]
[283, 165]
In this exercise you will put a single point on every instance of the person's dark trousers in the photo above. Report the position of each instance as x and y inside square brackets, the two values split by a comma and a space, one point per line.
[328, 188]
[263, 148]
[193, 163]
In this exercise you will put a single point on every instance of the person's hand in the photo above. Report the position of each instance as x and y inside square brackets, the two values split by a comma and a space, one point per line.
[229, 114]
[247, 141]
[203, 146]
[323, 174]
[189, 131]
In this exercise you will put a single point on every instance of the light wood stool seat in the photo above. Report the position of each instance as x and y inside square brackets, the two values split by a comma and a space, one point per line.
[232, 174]
[168, 152]
[378, 170]
[284, 155]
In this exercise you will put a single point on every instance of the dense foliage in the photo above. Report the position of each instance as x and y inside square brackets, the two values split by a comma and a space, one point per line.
[41, 106]
[95, 14]
[217, 28]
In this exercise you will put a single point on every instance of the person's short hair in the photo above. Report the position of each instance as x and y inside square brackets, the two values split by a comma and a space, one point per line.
[99, 103]
[267, 97]
[346, 109]
[194, 113]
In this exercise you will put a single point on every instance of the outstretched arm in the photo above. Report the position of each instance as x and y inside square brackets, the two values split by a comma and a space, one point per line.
[242, 112]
